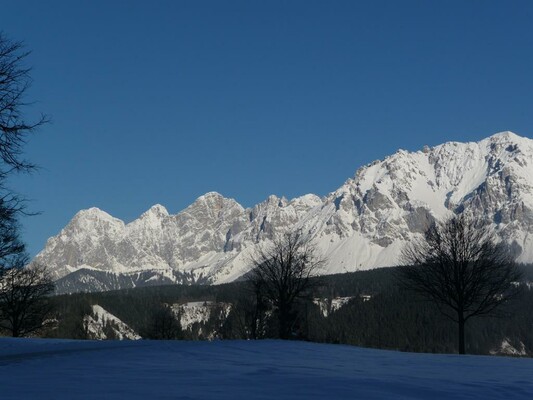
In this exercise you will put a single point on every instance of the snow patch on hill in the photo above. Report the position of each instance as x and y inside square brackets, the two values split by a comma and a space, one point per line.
[329, 306]
[200, 312]
[507, 349]
[102, 325]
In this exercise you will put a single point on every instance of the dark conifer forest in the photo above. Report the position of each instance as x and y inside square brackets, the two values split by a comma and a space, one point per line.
[378, 314]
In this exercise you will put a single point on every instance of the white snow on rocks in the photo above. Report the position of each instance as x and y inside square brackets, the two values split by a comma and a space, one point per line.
[364, 224]
[199, 312]
[97, 322]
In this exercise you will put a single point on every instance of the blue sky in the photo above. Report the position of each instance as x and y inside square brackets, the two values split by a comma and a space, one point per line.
[162, 101]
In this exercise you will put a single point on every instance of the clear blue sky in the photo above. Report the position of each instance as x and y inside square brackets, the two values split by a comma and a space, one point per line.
[162, 101]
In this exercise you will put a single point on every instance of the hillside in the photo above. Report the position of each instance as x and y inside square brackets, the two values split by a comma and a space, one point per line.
[364, 308]
[56, 369]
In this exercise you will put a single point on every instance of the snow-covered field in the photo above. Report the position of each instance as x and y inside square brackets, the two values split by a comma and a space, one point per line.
[67, 369]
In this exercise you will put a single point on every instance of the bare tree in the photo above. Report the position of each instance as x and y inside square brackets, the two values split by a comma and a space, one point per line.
[282, 274]
[24, 297]
[15, 130]
[15, 80]
[460, 266]
[10, 243]
[23, 291]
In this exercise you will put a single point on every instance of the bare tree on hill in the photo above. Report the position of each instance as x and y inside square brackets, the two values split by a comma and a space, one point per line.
[460, 267]
[282, 274]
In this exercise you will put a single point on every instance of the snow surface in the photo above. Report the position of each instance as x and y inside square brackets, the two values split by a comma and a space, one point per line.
[68, 369]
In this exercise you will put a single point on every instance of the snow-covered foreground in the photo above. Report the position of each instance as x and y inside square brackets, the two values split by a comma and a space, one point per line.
[62, 369]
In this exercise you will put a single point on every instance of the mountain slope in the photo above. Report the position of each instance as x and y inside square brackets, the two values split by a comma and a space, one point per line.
[363, 224]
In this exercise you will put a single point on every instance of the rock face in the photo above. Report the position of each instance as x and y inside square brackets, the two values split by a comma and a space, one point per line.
[364, 224]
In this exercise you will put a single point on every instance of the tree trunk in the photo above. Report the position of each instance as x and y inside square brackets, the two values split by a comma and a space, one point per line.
[284, 323]
[461, 326]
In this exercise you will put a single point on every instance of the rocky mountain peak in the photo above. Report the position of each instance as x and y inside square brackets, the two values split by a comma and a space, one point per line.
[94, 220]
[212, 205]
[156, 210]
[93, 213]
[506, 137]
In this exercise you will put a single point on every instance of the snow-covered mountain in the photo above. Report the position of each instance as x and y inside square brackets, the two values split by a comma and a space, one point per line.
[364, 224]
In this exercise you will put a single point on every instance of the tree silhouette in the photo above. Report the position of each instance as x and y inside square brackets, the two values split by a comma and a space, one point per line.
[25, 307]
[282, 274]
[462, 269]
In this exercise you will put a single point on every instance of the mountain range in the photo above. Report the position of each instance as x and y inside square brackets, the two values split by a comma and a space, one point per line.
[363, 224]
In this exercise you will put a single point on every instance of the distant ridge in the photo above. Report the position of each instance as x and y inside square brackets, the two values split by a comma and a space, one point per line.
[364, 224]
